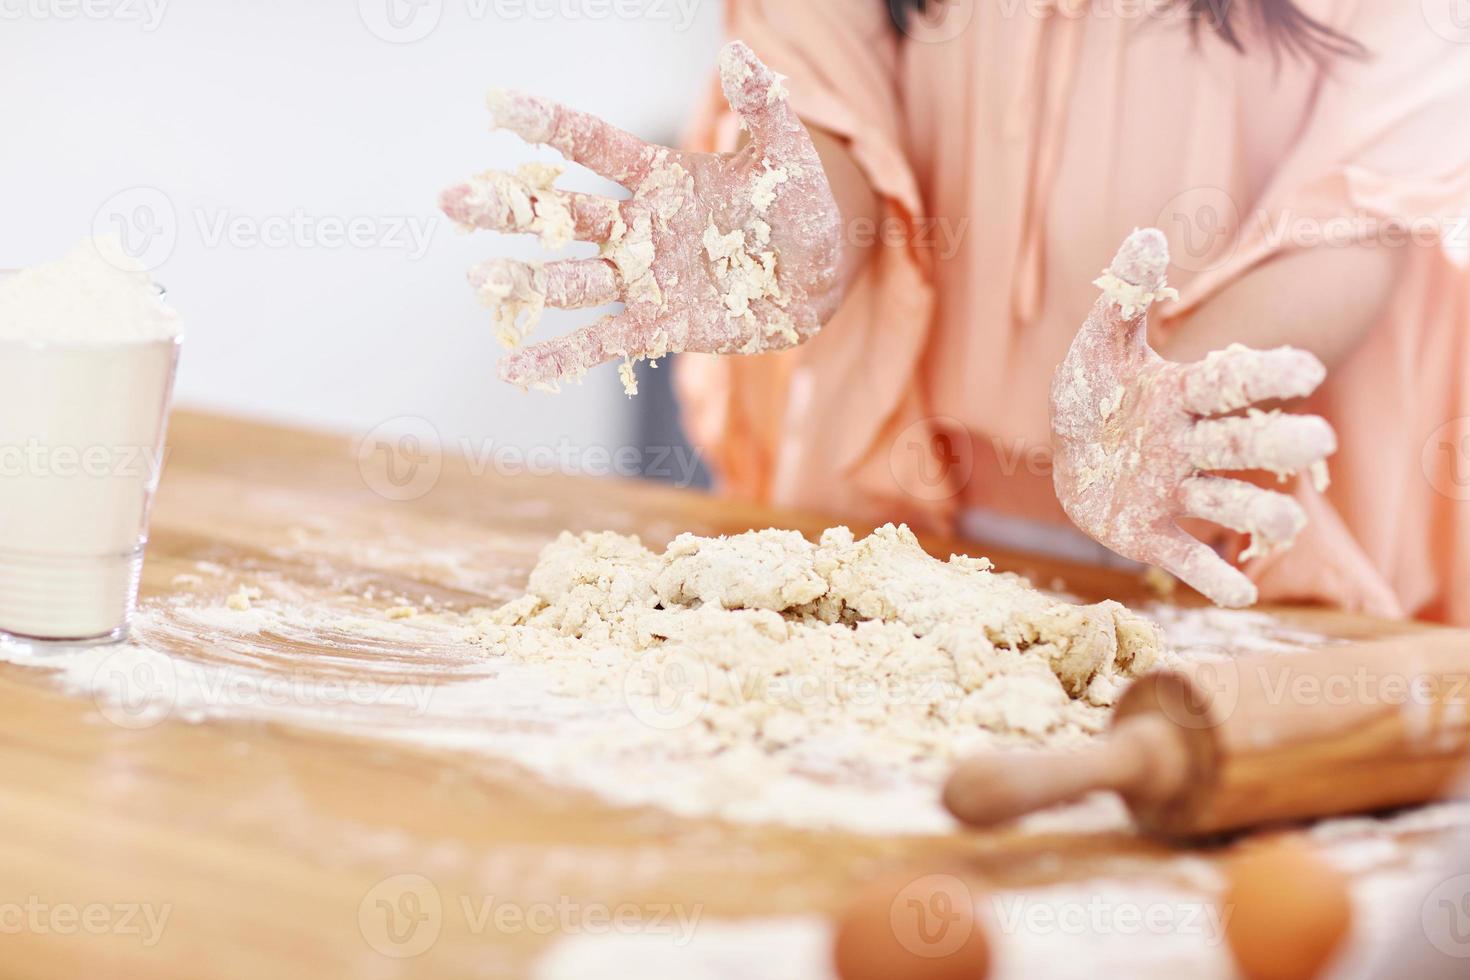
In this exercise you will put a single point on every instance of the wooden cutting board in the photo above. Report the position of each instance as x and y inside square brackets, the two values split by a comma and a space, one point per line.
[266, 841]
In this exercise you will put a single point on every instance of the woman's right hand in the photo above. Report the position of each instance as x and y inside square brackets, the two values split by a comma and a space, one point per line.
[718, 253]
[1140, 441]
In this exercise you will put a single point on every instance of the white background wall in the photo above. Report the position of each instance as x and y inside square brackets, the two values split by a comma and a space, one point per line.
[180, 117]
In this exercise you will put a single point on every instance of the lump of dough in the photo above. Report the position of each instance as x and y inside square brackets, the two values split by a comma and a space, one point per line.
[782, 637]
[757, 570]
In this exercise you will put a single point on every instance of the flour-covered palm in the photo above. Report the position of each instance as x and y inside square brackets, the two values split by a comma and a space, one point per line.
[720, 253]
[1136, 437]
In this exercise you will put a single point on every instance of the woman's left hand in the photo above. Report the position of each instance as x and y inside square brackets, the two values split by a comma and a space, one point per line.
[1135, 436]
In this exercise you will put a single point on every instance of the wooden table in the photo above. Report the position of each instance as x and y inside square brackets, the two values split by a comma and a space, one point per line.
[265, 841]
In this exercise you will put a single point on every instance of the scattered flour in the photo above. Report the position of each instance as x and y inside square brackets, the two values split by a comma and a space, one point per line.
[1209, 632]
[792, 948]
[97, 294]
[663, 680]
[1098, 928]
[240, 599]
[425, 680]
[1166, 922]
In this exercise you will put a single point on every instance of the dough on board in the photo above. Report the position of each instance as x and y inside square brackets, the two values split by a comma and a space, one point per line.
[780, 639]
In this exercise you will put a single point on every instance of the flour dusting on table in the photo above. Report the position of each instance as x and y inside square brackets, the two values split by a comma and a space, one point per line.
[757, 678]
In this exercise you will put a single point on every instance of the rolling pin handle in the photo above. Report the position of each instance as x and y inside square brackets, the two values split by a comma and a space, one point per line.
[1144, 758]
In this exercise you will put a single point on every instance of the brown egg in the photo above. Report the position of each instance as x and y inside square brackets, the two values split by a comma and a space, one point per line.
[912, 927]
[1288, 910]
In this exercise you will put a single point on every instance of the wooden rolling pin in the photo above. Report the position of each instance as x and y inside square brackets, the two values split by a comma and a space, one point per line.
[1221, 746]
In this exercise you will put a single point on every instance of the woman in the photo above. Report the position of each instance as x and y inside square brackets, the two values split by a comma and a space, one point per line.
[1308, 162]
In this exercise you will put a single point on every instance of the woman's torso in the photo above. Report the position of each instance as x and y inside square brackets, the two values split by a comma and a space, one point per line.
[1039, 142]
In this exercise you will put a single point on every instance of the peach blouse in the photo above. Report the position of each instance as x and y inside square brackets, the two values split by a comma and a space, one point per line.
[1015, 146]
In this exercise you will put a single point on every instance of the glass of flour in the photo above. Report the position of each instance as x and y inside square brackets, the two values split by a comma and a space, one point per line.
[88, 353]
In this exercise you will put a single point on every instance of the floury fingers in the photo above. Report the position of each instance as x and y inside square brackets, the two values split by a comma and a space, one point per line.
[733, 253]
[1135, 439]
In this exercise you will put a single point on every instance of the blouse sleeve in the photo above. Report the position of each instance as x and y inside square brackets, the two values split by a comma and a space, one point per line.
[1383, 160]
[840, 58]
[806, 427]
[1384, 157]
